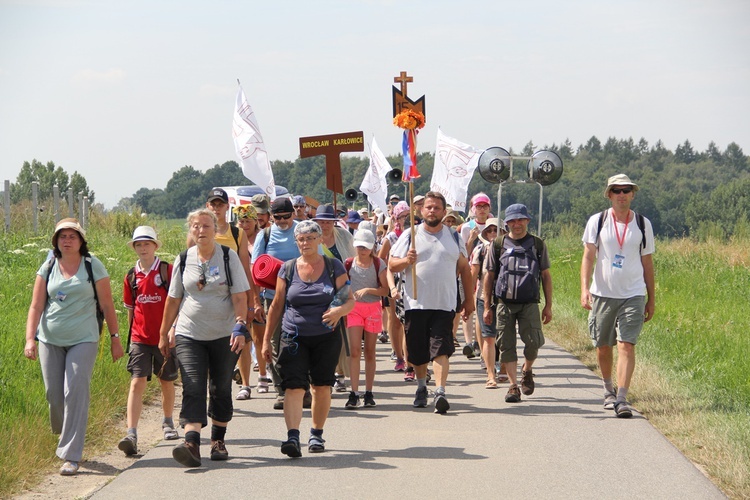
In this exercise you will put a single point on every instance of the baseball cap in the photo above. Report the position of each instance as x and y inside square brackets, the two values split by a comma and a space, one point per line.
[260, 202]
[281, 205]
[217, 194]
[364, 238]
[299, 200]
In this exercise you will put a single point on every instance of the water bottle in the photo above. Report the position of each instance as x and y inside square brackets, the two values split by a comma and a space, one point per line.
[342, 295]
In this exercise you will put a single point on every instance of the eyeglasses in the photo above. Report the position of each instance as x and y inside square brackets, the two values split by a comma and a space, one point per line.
[307, 239]
[482, 206]
[282, 216]
[621, 190]
[492, 230]
[202, 277]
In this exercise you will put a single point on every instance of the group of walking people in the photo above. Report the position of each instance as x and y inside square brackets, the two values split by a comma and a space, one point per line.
[338, 288]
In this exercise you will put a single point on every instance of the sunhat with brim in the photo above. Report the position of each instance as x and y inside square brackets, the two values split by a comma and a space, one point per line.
[417, 199]
[452, 214]
[144, 233]
[490, 222]
[353, 217]
[68, 224]
[619, 180]
[515, 212]
[364, 238]
[325, 212]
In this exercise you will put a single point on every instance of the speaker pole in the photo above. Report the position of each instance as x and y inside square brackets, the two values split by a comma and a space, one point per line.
[541, 199]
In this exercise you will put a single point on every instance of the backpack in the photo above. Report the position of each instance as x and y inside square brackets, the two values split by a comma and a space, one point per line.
[227, 271]
[236, 235]
[130, 278]
[639, 220]
[376, 261]
[90, 272]
[518, 274]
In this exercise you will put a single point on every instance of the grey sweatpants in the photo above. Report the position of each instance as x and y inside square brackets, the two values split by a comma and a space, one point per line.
[67, 375]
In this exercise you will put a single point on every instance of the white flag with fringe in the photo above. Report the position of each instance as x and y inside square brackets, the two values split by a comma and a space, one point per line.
[455, 163]
[374, 184]
[248, 143]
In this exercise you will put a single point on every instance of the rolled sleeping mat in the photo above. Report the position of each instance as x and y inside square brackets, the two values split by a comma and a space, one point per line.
[265, 271]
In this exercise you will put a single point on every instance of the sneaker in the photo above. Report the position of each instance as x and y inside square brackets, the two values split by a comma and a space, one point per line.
[623, 409]
[69, 468]
[307, 400]
[420, 399]
[339, 385]
[279, 403]
[527, 382]
[383, 337]
[400, 365]
[514, 394]
[468, 351]
[409, 375]
[369, 400]
[243, 394]
[219, 450]
[187, 454]
[609, 400]
[353, 401]
[236, 376]
[477, 349]
[129, 445]
[291, 448]
[393, 356]
[315, 444]
[441, 403]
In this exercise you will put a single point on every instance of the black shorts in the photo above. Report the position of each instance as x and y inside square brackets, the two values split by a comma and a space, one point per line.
[308, 359]
[429, 334]
[145, 360]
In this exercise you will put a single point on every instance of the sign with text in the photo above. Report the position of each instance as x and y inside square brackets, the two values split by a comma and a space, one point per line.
[331, 146]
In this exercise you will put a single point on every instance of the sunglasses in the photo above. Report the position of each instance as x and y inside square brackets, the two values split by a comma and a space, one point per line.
[621, 190]
[299, 206]
[202, 277]
[282, 216]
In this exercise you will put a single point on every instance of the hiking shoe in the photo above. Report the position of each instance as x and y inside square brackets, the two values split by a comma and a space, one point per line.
[441, 403]
[400, 365]
[315, 444]
[477, 349]
[514, 394]
[170, 433]
[527, 382]
[353, 401]
[468, 351]
[69, 468]
[409, 375]
[279, 403]
[291, 448]
[339, 385]
[307, 400]
[383, 337]
[236, 376]
[623, 409]
[219, 450]
[243, 394]
[187, 454]
[420, 399]
[129, 445]
[369, 400]
[609, 400]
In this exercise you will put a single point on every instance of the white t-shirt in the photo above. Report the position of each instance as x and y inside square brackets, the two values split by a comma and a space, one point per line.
[618, 273]
[437, 255]
[466, 230]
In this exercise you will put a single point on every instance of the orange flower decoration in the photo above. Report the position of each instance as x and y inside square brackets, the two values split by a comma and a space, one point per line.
[409, 119]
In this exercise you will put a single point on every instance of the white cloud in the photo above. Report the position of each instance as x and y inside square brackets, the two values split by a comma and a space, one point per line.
[90, 77]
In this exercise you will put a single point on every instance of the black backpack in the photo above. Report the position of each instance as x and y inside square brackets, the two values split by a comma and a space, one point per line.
[130, 278]
[639, 220]
[90, 272]
[518, 269]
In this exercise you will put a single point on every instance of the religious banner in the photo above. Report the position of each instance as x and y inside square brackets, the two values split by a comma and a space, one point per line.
[374, 184]
[331, 146]
[455, 163]
[249, 146]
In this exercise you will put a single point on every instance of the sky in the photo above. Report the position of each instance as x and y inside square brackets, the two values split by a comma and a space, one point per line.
[128, 92]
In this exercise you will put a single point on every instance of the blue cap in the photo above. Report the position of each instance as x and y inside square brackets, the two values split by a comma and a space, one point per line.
[299, 200]
[516, 211]
[353, 217]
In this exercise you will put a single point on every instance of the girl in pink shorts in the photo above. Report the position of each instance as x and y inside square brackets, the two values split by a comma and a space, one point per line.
[368, 282]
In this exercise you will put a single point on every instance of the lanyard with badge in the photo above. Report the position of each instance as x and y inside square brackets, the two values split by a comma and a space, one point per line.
[619, 258]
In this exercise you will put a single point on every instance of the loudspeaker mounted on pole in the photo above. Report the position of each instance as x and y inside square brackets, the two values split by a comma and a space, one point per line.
[394, 176]
[351, 194]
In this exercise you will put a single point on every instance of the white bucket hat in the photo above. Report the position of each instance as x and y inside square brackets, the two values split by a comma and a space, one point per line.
[144, 233]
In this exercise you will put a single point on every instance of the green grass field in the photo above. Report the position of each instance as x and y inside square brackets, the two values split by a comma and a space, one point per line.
[692, 378]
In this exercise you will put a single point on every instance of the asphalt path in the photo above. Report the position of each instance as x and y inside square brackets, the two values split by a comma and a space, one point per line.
[558, 442]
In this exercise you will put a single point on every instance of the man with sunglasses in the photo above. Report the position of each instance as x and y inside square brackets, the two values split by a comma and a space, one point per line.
[281, 245]
[300, 207]
[618, 249]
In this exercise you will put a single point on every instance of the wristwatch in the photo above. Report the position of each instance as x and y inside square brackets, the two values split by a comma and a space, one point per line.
[114, 335]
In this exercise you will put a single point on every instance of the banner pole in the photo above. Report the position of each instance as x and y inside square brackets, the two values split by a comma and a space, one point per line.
[413, 240]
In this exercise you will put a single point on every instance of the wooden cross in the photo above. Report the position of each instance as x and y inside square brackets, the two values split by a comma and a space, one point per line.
[403, 80]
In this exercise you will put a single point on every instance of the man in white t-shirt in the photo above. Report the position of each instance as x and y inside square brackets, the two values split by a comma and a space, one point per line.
[618, 248]
[439, 256]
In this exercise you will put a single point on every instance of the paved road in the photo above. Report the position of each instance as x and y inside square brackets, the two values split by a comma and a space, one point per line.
[559, 442]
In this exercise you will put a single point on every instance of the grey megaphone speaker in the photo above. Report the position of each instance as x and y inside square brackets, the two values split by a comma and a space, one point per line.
[494, 165]
[394, 176]
[351, 194]
[545, 167]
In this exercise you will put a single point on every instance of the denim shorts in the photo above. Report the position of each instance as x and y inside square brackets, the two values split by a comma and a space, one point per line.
[488, 331]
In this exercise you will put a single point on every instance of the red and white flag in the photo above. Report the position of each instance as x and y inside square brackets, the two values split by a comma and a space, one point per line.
[248, 143]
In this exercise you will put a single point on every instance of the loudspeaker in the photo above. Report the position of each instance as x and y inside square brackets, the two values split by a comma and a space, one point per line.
[351, 194]
[494, 165]
[394, 176]
[545, 167]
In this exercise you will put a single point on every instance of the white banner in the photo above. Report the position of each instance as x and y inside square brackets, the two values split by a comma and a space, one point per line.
[375, 185]
[248, 143]
[455, 163]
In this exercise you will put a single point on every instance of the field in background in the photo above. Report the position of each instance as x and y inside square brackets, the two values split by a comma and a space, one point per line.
[692, 377]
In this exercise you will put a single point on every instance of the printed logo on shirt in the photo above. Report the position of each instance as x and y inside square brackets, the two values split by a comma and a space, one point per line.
[149, 299]
[157, 280]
